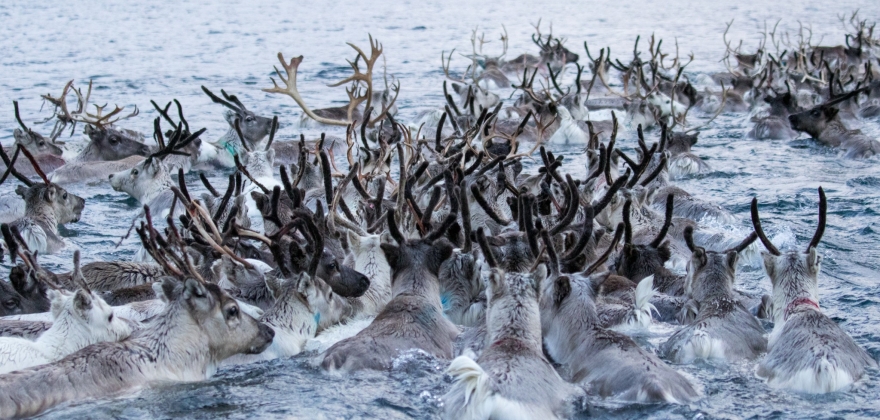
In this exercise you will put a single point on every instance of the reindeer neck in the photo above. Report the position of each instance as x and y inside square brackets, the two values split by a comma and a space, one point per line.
[64, 336]
[88, 154]
[160, 188]
[174, 341]
[416, 281]
[516, 320]
[43, 214]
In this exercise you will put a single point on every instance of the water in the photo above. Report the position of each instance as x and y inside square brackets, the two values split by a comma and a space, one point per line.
[162, 50]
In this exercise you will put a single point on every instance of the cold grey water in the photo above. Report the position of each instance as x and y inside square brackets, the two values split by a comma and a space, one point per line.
[161, 50]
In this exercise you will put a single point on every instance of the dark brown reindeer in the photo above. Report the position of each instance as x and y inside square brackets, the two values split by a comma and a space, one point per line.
[823, 124]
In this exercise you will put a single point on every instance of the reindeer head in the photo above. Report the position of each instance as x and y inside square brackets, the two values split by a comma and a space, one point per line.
[793, 274]
[225, 327]
[113, 144]
[31, 140]
[637, 261]
[148, 178]
[512, 301]
[90, 313]
[254, 127]
[711, 273]
[815, 120]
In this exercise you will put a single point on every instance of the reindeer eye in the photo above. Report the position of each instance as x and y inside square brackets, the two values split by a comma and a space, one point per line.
[110, 318]
[64, 196]
[41, 144]
[332, 266]
[134, 172]
[232, 312]
[114, 140]
[9, 303]
[249, 118]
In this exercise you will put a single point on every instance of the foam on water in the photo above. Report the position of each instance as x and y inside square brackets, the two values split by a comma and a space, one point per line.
[137, 51]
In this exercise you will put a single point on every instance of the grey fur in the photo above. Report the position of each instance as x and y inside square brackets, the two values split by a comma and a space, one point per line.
[723, 327]
[185, 343]
[518, 378]
[412, 319]
[611, 363]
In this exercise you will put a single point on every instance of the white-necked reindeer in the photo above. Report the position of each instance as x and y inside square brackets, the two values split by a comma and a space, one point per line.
[808, 352]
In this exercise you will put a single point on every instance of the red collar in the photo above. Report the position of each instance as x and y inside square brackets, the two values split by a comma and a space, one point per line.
[799, 302]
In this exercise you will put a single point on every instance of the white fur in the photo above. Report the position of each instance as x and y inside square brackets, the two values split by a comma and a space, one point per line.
[643, 306]
[369, 259]
[74, 328]
[336, 333]
[825, 378]
[569, 132]
[481, 401]
[701, 346]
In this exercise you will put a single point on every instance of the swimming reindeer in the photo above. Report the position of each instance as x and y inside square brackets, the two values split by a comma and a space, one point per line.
[511, 379]
[47, 205]
[414, 316]
[807, 352]
[723, 329]
[81, 318]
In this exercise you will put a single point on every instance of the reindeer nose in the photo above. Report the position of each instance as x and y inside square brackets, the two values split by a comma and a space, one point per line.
[110, 177]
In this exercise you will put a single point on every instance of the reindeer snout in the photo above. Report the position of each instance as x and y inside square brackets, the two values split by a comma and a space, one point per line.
[110, 177]
[265, 336]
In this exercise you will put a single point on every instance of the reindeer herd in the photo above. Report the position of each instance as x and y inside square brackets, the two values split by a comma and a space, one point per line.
[436, 237]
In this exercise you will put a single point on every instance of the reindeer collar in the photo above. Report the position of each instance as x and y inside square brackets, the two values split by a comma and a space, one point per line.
[801, 301]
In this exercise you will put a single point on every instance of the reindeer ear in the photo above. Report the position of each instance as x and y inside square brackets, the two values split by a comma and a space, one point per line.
[159, 291]
[814, 261]
[496, 281]
[562, 289]
[538, 277]
[731, 258]
[21, 190]
[354, 240]
[769, 264]
[193, 288]
[50, 193]
[82, 301]
[392, 254]
[830, 113]
[56, 302]
[664, 252]
[646, 196]
[274, 285]
[699, 256]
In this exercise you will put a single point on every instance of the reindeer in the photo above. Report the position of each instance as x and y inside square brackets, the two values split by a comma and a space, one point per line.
[415, 288]
[47, 205]
[253, 128]
[823, 124]
[610, 363]
[47, 153]
[512, 378]
[807, 351]
[200, 327]
[723, 329]
[149, 180]
[553, 54]
[80, 319]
